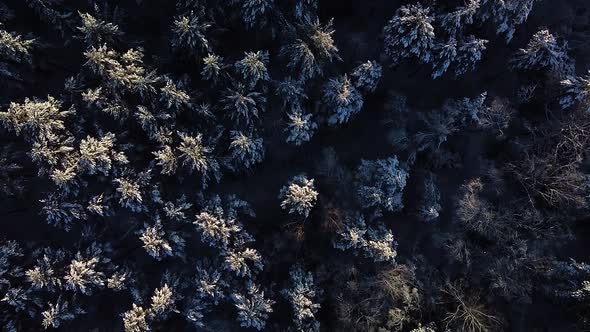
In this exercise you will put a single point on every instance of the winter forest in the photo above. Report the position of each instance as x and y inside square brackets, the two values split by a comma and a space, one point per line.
[295, 165]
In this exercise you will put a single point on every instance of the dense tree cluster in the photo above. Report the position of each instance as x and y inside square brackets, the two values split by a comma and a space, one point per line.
[306, 165]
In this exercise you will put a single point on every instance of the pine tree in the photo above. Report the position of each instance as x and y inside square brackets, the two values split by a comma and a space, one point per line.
[376, 243]
[469, 53]
[410, 33]
[543, 52]
[342, 99]
[367, 76]
[253, 67]
[245, 150]
[507, 15]
[455, 21]
[254, 12]
[380, 184]
[304, 296]
[242, 104]
[299, 195]
[307, 54]
[253, 307]
[300, 128]
[577, 91]
[188, 33]
[198, 157]
[36, 119]
[212, 66]
[125, 70]
[96, 31]
[13, 47]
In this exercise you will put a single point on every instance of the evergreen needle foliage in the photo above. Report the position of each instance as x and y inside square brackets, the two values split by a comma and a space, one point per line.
[300, 165]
